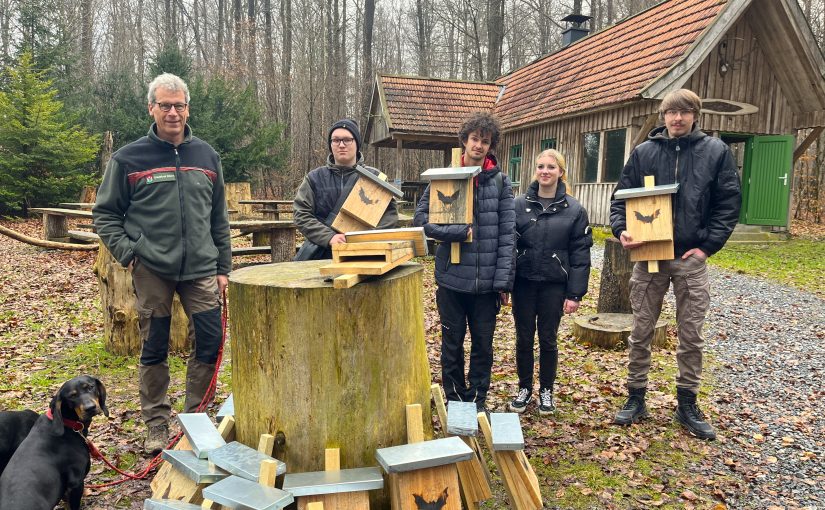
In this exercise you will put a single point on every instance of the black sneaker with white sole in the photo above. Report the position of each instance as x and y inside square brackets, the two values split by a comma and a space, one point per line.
[519, 403]
[546, 403]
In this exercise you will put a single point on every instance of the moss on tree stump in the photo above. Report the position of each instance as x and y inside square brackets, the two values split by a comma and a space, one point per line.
[611, 330]
[320, 367]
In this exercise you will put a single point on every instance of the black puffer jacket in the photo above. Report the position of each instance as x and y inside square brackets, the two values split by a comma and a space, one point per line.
[486, 262]
[706, 207]
[553, 244]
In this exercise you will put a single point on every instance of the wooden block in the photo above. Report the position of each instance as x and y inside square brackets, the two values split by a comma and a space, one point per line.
[415, 424]
[367, 202]
[364, 268]
[345, 222]
[388, 250]
[268, 472]
[441, 409]
[414, 234]
[266, 444]
[346, 281]
[451, 202]
[227, 428]
[332, 459]
[455, 253]
[315, 506]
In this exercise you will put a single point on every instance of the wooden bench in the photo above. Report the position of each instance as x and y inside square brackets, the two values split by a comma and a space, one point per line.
[251, 250]
[55, 221]
[281, 236]
[87, 237]
[77, 205]
[271, 209]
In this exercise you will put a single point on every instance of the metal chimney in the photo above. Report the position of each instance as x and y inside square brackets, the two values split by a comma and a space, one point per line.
[574, 30]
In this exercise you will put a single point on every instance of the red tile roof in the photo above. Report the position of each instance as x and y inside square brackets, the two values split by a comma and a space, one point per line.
[608, 67]
[434, 106]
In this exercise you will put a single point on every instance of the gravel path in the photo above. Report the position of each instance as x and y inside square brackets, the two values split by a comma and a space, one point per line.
[767, 342]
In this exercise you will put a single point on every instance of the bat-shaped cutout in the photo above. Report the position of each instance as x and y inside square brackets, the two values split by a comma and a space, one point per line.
[364, 198]
[647, 219]
[423, 504]
[448, 200]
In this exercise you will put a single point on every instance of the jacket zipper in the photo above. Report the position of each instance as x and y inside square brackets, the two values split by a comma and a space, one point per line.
[178, 175]
[475, 210]
[676, 172]
[566, 274]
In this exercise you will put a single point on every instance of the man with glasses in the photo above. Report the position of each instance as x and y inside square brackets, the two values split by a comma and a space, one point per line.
[705, 211]
[324, 190]
[161, 212]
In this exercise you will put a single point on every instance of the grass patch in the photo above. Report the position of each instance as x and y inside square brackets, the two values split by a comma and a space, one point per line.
[797, 262]
[600, 234]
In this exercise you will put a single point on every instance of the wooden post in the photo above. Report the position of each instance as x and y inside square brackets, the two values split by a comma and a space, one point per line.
[313, 365]
[55, 227]
[455, 248]
[121, 331]
[652, 265]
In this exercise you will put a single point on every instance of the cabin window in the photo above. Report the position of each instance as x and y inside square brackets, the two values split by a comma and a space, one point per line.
[604, 155]
[514, 169]
[548, 143]
[591, 142]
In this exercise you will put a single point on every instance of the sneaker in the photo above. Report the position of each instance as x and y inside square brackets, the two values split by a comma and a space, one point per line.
[157, 438]
[634, 410]
[519, 404]
[691, 417]
[546, 404]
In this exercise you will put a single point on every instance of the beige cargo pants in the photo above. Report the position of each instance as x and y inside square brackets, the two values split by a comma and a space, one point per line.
[647, 292]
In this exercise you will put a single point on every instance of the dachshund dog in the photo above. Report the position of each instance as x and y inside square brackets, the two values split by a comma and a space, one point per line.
[53, 460]
[14, 427]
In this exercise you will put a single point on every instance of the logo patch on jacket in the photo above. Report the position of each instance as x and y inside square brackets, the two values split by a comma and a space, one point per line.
[160, 177]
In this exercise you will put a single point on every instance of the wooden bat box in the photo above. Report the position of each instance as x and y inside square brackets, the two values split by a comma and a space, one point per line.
[649, 218]
[365, 204]
[451, 194]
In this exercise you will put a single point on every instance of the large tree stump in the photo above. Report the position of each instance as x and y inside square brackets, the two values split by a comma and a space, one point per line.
[614, 289]
[611, 330]
[121, 331]
[324, 368]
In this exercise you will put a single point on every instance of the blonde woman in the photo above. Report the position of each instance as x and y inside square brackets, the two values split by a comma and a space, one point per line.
[552, 269]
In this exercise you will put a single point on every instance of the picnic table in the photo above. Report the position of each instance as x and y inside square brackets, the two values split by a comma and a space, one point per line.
[55, 221]
[271, 209]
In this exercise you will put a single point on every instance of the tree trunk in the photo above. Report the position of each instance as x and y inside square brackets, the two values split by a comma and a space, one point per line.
[495, 37]
[319, 367]
[236, 191]
[286, 66]
[368, 79]
[121, 331]
[614, 289]
[105, 156]
[86, 37]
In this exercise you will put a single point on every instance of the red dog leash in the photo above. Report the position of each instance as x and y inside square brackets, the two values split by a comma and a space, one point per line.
[157, 460]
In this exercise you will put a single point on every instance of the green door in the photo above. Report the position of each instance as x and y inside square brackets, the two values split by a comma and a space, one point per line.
[766, 182]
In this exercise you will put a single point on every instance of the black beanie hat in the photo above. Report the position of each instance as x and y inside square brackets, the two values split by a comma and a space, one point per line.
[351, 126]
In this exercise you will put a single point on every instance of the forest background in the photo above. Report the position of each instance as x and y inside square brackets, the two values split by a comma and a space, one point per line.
[267, 77]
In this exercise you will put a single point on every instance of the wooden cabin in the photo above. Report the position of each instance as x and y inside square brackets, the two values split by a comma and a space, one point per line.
[755, 63]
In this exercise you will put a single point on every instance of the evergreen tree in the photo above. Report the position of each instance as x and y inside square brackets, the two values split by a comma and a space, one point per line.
[44, 154]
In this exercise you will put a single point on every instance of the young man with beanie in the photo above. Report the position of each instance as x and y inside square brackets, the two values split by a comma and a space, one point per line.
[324, 190]
[705, 211]
[161, 212]
[470, 293]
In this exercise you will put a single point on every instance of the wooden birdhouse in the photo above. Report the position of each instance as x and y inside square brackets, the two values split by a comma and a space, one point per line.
[649, 218]
[424, 475]
[366, 202]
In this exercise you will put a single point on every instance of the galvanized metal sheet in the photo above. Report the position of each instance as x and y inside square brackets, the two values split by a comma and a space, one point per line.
[507, 433]
[334, 482]
[197, 470]
[168, 504]
[380, 182]
[227, 408]
[462, 418]
[426, 454]
[241, 460]
[663, 189]
[201, 433]
[236, 492]
[460, 173]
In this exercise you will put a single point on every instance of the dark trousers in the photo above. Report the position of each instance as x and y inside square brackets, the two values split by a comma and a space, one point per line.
[537, 304]
[457, 311]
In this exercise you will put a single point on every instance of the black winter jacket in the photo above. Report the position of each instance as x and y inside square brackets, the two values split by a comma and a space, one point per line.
[553, 244]
[487, 261]
[706, 207]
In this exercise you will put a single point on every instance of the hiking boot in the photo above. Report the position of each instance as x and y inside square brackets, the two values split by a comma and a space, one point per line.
[157, 438]
[634, 410]
[691, 417]
[519, 404]
[546, 404]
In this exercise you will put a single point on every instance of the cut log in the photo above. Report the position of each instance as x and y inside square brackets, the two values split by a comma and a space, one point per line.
[614, 289]
[610, 330]
[52, 245]
[121, 331]
[321, 368]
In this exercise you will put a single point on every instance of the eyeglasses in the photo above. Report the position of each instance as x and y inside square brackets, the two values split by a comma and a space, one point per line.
[346, 141]
[179, 107]
[673, 112]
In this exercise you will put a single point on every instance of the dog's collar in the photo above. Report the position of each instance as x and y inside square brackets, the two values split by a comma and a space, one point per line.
[72, 424]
